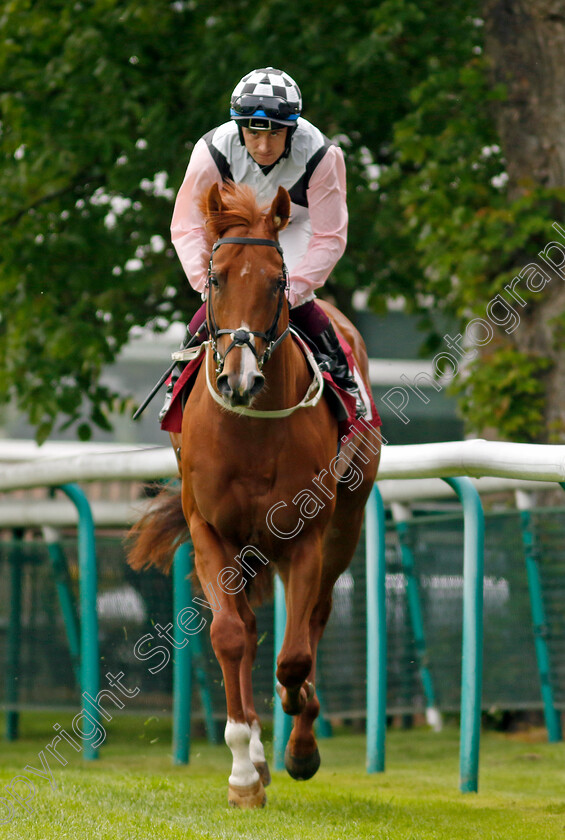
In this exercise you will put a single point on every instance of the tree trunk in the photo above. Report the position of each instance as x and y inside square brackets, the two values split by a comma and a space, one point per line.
[525, 45]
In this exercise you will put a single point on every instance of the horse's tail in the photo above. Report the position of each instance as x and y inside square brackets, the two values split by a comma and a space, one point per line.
[160, 530]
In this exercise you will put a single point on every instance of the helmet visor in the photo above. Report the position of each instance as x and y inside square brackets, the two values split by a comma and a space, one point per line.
[271, 107]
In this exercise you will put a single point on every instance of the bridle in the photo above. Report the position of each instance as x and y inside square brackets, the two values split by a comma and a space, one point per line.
[241, 337]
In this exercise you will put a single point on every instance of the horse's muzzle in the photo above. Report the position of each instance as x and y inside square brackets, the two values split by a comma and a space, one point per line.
[238, 389]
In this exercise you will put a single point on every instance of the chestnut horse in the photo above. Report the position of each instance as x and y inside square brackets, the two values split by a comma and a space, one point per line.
[255, 436]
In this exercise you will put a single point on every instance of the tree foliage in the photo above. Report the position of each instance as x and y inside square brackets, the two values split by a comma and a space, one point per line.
[101, 102]
[463, 234]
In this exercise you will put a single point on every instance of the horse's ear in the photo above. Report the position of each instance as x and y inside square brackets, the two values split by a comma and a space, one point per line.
[280, 210]
[214, 203]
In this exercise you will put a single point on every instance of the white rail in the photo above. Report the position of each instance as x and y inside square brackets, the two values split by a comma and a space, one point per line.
[422, 489]
[474, 458]
[142, 465]
[61, 513]
[429, 460]
[14, 450]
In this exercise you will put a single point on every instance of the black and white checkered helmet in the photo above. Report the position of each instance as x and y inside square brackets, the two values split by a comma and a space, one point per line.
[266, 96]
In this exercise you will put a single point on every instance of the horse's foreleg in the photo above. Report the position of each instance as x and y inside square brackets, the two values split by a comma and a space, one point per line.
[301, 577]
[228, 634]
[302, 758]
[256, 749]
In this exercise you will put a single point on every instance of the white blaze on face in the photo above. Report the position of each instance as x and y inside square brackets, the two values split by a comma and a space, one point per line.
[237, 737]
[248, 363]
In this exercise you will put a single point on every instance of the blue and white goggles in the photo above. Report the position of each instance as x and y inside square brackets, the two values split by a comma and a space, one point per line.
[264, 108]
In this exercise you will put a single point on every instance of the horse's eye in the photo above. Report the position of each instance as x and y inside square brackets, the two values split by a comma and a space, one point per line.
[213, 280]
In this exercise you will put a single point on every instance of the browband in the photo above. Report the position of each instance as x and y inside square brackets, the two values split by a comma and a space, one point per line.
[246, 240]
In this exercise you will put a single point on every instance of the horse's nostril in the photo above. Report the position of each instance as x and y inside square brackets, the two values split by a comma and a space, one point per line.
[238, 390]
[224, 385]
[256, 383]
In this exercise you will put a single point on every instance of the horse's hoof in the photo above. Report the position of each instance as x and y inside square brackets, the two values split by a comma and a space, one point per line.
[302, 767]
[264, 774]
[247, 796]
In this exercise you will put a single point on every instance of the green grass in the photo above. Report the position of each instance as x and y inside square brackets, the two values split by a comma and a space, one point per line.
[135, 793]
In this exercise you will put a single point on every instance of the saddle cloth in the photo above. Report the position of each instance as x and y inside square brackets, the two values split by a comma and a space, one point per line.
[341, 403]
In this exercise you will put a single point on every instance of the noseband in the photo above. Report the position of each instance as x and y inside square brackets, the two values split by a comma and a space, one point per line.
[242, 337]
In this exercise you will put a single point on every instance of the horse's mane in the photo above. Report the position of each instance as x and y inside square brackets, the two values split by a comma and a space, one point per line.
[240, 208]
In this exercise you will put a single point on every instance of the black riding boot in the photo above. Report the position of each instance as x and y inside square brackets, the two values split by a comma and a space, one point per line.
[190, 340]
[330, 356]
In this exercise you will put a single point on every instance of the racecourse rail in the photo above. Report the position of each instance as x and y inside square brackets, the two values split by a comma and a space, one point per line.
[474, 458]
[526, 466]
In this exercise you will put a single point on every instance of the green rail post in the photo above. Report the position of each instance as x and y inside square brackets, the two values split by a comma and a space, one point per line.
[539, 618]
[203, 681]
[401, 516]
[65, 595]
[282, 723]
[182, 662]
[376, 632]
[472, 660]
[89, 650]
[14, 638]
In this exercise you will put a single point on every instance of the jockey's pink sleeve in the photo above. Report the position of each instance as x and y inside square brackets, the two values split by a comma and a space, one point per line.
[327, 208]
[187, 226]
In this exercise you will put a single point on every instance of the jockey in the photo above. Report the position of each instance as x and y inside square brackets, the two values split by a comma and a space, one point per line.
[267, 144]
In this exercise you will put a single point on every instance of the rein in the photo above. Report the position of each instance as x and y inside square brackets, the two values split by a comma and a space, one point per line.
[242, 337]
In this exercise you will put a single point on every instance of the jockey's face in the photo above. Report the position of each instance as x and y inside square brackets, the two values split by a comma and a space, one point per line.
[265, 147]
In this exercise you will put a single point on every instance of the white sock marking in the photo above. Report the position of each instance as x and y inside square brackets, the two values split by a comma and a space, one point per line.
[256, 749]
[237, 737]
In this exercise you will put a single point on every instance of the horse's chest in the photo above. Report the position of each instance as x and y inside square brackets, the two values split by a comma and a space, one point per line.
[237, 501]
[245, 493]
[236, 480]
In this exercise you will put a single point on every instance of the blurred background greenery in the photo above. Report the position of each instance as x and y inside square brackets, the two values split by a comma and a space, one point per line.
[434, 105]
